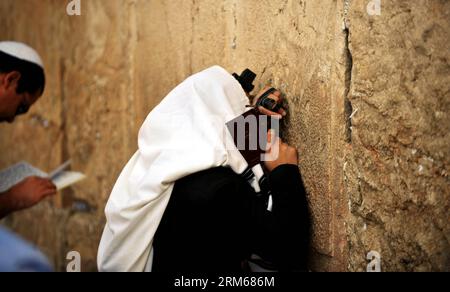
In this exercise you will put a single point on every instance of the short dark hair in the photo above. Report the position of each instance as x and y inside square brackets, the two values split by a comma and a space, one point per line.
[32, 78]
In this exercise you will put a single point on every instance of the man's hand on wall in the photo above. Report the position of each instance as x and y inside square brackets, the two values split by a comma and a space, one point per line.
[25, 195]
[282, 152]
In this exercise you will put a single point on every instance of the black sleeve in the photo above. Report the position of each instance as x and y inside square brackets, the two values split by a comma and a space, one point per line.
[282, 236]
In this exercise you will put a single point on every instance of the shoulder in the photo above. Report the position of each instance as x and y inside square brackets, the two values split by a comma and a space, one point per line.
[212, 178]
[211, 182]
[19, 256]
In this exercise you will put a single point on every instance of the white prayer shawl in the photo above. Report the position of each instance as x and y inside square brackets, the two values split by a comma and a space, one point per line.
[185, 134]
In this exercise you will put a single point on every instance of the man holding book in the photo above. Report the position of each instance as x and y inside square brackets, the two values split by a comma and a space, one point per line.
[22, 82]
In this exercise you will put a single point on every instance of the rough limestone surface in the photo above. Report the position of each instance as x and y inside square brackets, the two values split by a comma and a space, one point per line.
[368, 99]
[397, 162]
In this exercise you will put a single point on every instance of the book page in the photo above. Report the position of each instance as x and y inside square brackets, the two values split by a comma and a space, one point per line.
[20, 171]
[16, 174]
[67, 178]
[60, 169]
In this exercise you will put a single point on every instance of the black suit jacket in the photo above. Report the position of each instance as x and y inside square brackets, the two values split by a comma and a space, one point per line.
[215, 221]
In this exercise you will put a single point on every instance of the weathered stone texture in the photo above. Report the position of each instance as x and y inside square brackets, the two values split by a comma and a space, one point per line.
[398, 161]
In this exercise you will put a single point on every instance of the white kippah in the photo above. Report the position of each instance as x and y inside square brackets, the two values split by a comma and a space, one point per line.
[22, 52]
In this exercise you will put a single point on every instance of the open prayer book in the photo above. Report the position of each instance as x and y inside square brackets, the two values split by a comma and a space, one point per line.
[20, 171]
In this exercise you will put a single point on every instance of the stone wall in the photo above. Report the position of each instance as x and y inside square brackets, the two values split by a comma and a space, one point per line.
[397, 162]
[368, 98]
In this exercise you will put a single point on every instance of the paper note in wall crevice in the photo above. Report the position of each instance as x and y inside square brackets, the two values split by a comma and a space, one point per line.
[20, 171]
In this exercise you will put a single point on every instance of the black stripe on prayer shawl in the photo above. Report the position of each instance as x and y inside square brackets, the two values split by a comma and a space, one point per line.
[248, 174]
[263, 184]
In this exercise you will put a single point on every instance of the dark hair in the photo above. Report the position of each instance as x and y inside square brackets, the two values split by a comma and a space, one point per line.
[32, 78]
